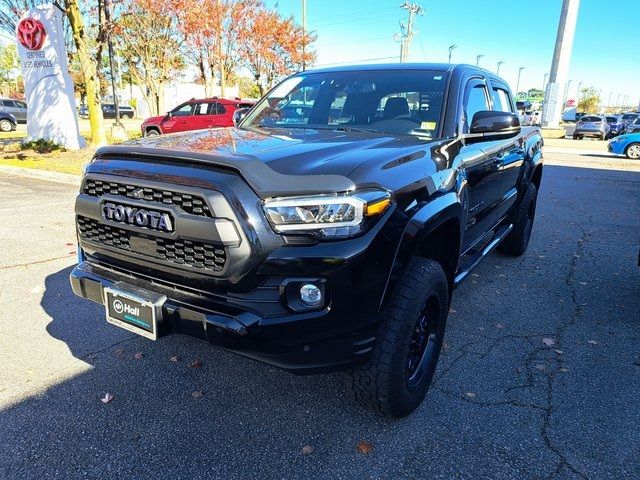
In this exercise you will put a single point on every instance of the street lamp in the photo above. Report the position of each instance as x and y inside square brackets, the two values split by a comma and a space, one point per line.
[498, 69]
[518, 82]
[578, 96]
[451, 49]
[544, 81]
[478, 57]
[566, 93]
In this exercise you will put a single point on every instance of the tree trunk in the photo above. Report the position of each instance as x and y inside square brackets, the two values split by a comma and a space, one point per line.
[89, 72]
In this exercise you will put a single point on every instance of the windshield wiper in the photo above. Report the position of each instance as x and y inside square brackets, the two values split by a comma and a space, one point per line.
[349, 128]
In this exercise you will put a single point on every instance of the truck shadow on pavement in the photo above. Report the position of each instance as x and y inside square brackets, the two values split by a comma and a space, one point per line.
[504, 403]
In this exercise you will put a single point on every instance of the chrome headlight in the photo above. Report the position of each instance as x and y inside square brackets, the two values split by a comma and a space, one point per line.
[329, 216]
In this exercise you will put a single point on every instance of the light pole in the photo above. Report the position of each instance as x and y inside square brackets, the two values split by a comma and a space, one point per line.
[478, 57]
[609, 102]
[498, 69]
[566, 93]
[544, 81]
[518, 82]
[618, 100]
[451, 49]
[578, 95]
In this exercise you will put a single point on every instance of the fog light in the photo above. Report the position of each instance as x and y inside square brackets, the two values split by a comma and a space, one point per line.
[310, 295]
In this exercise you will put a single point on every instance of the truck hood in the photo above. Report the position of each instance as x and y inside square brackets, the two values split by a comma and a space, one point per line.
[279, 161]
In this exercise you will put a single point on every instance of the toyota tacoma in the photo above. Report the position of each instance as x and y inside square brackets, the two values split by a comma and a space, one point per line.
[326, 231]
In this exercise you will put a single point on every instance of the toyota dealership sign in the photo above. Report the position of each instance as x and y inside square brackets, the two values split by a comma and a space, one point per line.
[48, 86]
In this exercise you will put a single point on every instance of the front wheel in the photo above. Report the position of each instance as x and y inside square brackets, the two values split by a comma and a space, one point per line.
[396, 379]
[6, 126]
[633, 151]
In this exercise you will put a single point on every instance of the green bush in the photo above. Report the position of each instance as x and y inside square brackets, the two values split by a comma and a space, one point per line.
[41, 145]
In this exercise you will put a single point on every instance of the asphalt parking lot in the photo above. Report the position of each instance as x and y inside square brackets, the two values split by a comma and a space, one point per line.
[540, 375]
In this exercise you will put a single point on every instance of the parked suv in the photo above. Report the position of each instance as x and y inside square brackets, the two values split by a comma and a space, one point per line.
[633, 127]
[591, 126]
[125, 111]
[195, 114]
[326, 232]
[616, 125]
[14, 107]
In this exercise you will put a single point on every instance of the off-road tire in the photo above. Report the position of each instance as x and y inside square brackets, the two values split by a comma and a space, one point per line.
[382, 383]
[151, 132]
[6, 126]
[522, 219]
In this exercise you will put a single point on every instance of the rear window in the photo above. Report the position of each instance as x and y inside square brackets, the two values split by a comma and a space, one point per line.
[589, 118]
[612, 119]
[629, 116]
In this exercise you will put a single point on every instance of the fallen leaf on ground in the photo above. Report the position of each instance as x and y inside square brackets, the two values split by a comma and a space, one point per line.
[592, 342]
[138, 356]
[72, 252]
[540, 367]
[564, 369]
[107, 398]
[198, 394]
[470, 395]
[559, 352]
[197, 363]
[502, 275]
[118, 351]
[69, 244]
[499, 325]
[307, 449]
[365, 447]
[174, 358]
[548, 341]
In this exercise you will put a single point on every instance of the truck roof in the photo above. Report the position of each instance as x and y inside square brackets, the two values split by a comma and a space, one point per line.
[446, 67]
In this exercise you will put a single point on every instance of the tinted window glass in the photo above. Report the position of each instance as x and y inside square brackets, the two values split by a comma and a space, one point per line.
[183, 110]
[203, 108]
[629, 116]
[612, 119]
[7, 103]
[394, 101]
[20, 104]
[590, 118]
[476, 102]
[219, 109]
[501, 100]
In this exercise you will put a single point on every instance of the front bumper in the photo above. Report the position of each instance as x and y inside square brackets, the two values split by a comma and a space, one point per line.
[262, 324]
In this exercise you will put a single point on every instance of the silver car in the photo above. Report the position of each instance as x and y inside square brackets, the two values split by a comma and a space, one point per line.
[15, 107]
[591, 126]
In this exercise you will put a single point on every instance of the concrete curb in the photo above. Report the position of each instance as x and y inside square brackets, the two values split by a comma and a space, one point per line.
[67, 178]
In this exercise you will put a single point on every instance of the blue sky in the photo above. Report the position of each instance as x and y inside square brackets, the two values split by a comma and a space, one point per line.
[606, 53]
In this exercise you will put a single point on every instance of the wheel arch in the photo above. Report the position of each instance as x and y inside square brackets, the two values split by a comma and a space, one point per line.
[435, 232]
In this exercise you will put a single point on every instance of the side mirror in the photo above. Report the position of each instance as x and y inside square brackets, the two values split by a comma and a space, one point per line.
[490, 125]
[239, 115]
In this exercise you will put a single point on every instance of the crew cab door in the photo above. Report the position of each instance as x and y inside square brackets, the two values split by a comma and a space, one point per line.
[179, 119]
[510, 152]
[483, 188]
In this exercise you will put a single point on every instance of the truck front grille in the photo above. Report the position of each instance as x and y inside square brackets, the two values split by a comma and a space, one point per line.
[192, 204]
[200, 255]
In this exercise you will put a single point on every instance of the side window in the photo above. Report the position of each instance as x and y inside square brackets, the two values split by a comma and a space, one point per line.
[7, 103]
[476, 101]
[501, 100]
[182, 110]
[202, 108]
[218, 109]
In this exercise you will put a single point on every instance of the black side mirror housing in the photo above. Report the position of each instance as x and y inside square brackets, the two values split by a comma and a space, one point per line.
[491, 125]
[239, 115]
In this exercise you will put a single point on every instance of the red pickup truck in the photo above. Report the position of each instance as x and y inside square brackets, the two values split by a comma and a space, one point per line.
[195, 114]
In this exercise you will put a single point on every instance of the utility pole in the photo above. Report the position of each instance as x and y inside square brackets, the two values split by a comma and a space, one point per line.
[498, 69]
[220, 59]
[304, 34]
[518, 82]
[553, 109]
[451, 49]
[413, 9]
[478, 57]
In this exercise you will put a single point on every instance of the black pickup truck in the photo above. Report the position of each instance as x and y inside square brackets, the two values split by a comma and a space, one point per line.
[326, 231]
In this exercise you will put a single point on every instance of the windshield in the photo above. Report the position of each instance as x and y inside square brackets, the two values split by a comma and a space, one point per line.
[390, 101]
[612, 119]
[629, 116]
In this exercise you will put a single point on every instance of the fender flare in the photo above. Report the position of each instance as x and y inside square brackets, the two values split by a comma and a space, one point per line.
[429, 217]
